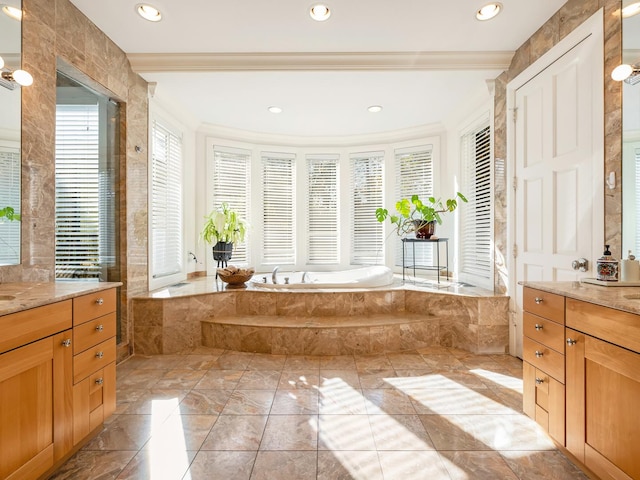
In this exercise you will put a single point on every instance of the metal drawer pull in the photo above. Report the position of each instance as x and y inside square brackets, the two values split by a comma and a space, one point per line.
[99, 381]
[539, 353]
[539, 381]
[571, 341]
[99, 328]
[99, 355]
[99, 301]
[66, 343]
[538, 300]
[538, 327]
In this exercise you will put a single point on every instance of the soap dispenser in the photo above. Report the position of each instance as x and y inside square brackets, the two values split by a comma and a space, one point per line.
[607, 267]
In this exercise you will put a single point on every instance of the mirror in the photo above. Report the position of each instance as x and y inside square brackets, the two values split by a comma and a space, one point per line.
[10, 166]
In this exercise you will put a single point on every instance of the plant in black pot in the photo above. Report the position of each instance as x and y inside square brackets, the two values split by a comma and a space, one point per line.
[223, 227]
[415, 215]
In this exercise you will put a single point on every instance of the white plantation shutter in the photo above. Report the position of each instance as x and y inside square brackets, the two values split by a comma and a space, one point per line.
[77, 192]
[322, 209]
[475, 228]
[9, 197]
[231, 184]
[278, 209]
[414, 176]
[166, 201]
[366, 195]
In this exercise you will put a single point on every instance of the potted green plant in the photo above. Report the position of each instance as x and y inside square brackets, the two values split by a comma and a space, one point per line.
[415, 215]
[9, 213]
[223, 227]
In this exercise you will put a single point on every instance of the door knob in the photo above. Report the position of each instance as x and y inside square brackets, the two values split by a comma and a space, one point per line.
[581, 264]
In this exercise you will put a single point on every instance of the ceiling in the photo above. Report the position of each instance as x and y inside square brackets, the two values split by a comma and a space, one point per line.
[223, 63]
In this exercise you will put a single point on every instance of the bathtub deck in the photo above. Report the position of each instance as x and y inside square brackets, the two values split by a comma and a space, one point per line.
[320, 322]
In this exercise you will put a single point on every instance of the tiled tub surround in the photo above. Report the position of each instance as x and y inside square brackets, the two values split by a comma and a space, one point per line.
[320, 322]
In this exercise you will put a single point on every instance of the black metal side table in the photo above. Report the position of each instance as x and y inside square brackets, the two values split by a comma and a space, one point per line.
[436, 267]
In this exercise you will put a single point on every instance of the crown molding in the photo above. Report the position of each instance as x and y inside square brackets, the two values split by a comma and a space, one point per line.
[407, 134]
[216, 62]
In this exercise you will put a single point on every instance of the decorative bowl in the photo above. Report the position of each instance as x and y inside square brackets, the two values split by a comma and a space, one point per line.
[235, 279]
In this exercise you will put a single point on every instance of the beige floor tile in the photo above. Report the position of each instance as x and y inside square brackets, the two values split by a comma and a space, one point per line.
[341, 399]
[196, 362]
[204, 402]
[157, 402]
[249, 402]
[179, 378]
[346, 377]
[406, 361]
[542, 466]
[337, 362]
[285, 466]
[345, 432]
[141, 378]
[219, 380]
[443, 362]
[158, 464]
[372, 362]
[181, 433]
[399, 432]
[126, 432]
[295, 379]
[210, 465]
[291, 432]
[89, 465]
[467, 401]
[388, 402]
[346, 465]
[233, 360]
[302, 362]
[455, 432]
[259, 380]
[236, 432]
[477, 465]
[376, 378]
[263, 361]
[295, 402]
[413, 466]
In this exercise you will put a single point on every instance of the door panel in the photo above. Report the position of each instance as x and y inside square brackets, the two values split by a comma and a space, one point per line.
[554, 165]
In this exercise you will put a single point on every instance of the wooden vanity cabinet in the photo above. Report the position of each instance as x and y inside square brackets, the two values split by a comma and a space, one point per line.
[35, 391]
[543, 366]
[603, 389]
[57, 381]
[94, 357]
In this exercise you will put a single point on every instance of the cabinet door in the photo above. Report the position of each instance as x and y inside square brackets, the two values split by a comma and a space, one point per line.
[603, 386]
[26, 410]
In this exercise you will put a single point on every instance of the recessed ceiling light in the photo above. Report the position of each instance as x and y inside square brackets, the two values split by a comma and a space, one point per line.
[489, 11]
[631, 10]
[148, 12]
[12, 12]
[320, 12]
[375, 108]
[274, 109]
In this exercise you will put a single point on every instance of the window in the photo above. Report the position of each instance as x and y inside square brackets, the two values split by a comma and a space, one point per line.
[637, 202]
[322, 209]
[366, 195]
[278, 209]
[230, 183]
[166, 201]
[475, 228]
[414, 176]
[9, 197]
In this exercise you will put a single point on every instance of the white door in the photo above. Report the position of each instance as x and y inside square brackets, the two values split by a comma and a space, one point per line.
[556, 157]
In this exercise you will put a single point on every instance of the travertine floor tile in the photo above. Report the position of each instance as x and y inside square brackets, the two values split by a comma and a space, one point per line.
[213, 465]
[236, 432]
[436, 413]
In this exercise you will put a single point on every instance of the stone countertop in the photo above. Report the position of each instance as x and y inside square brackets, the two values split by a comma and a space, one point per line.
[626, 299]
[15, 297]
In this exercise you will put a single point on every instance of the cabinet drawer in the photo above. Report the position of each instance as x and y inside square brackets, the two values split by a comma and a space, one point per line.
[543, 304]
[544, 331]
[93, 305]
[93, 332]
[30, 325]
[93, 359]
[544, 358]
[542, 389]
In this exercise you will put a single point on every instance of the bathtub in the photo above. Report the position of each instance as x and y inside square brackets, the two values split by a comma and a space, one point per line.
[375, 276]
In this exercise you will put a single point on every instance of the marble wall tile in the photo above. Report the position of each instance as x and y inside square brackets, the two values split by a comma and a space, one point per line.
[288, 341]
[147, 313]
[573, 13]
[323, 305]
[323, 341]
[255, 339]
[493, 339]
[147, 340]
[418, 335]
[256, 303]
[493, 311]
[383, 302]
[353, 341]
[222, 304]
[291, 303]
[350, 303]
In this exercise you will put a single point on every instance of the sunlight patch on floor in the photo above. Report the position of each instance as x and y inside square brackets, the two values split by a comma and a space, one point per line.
[167, 446]
[506, 381]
